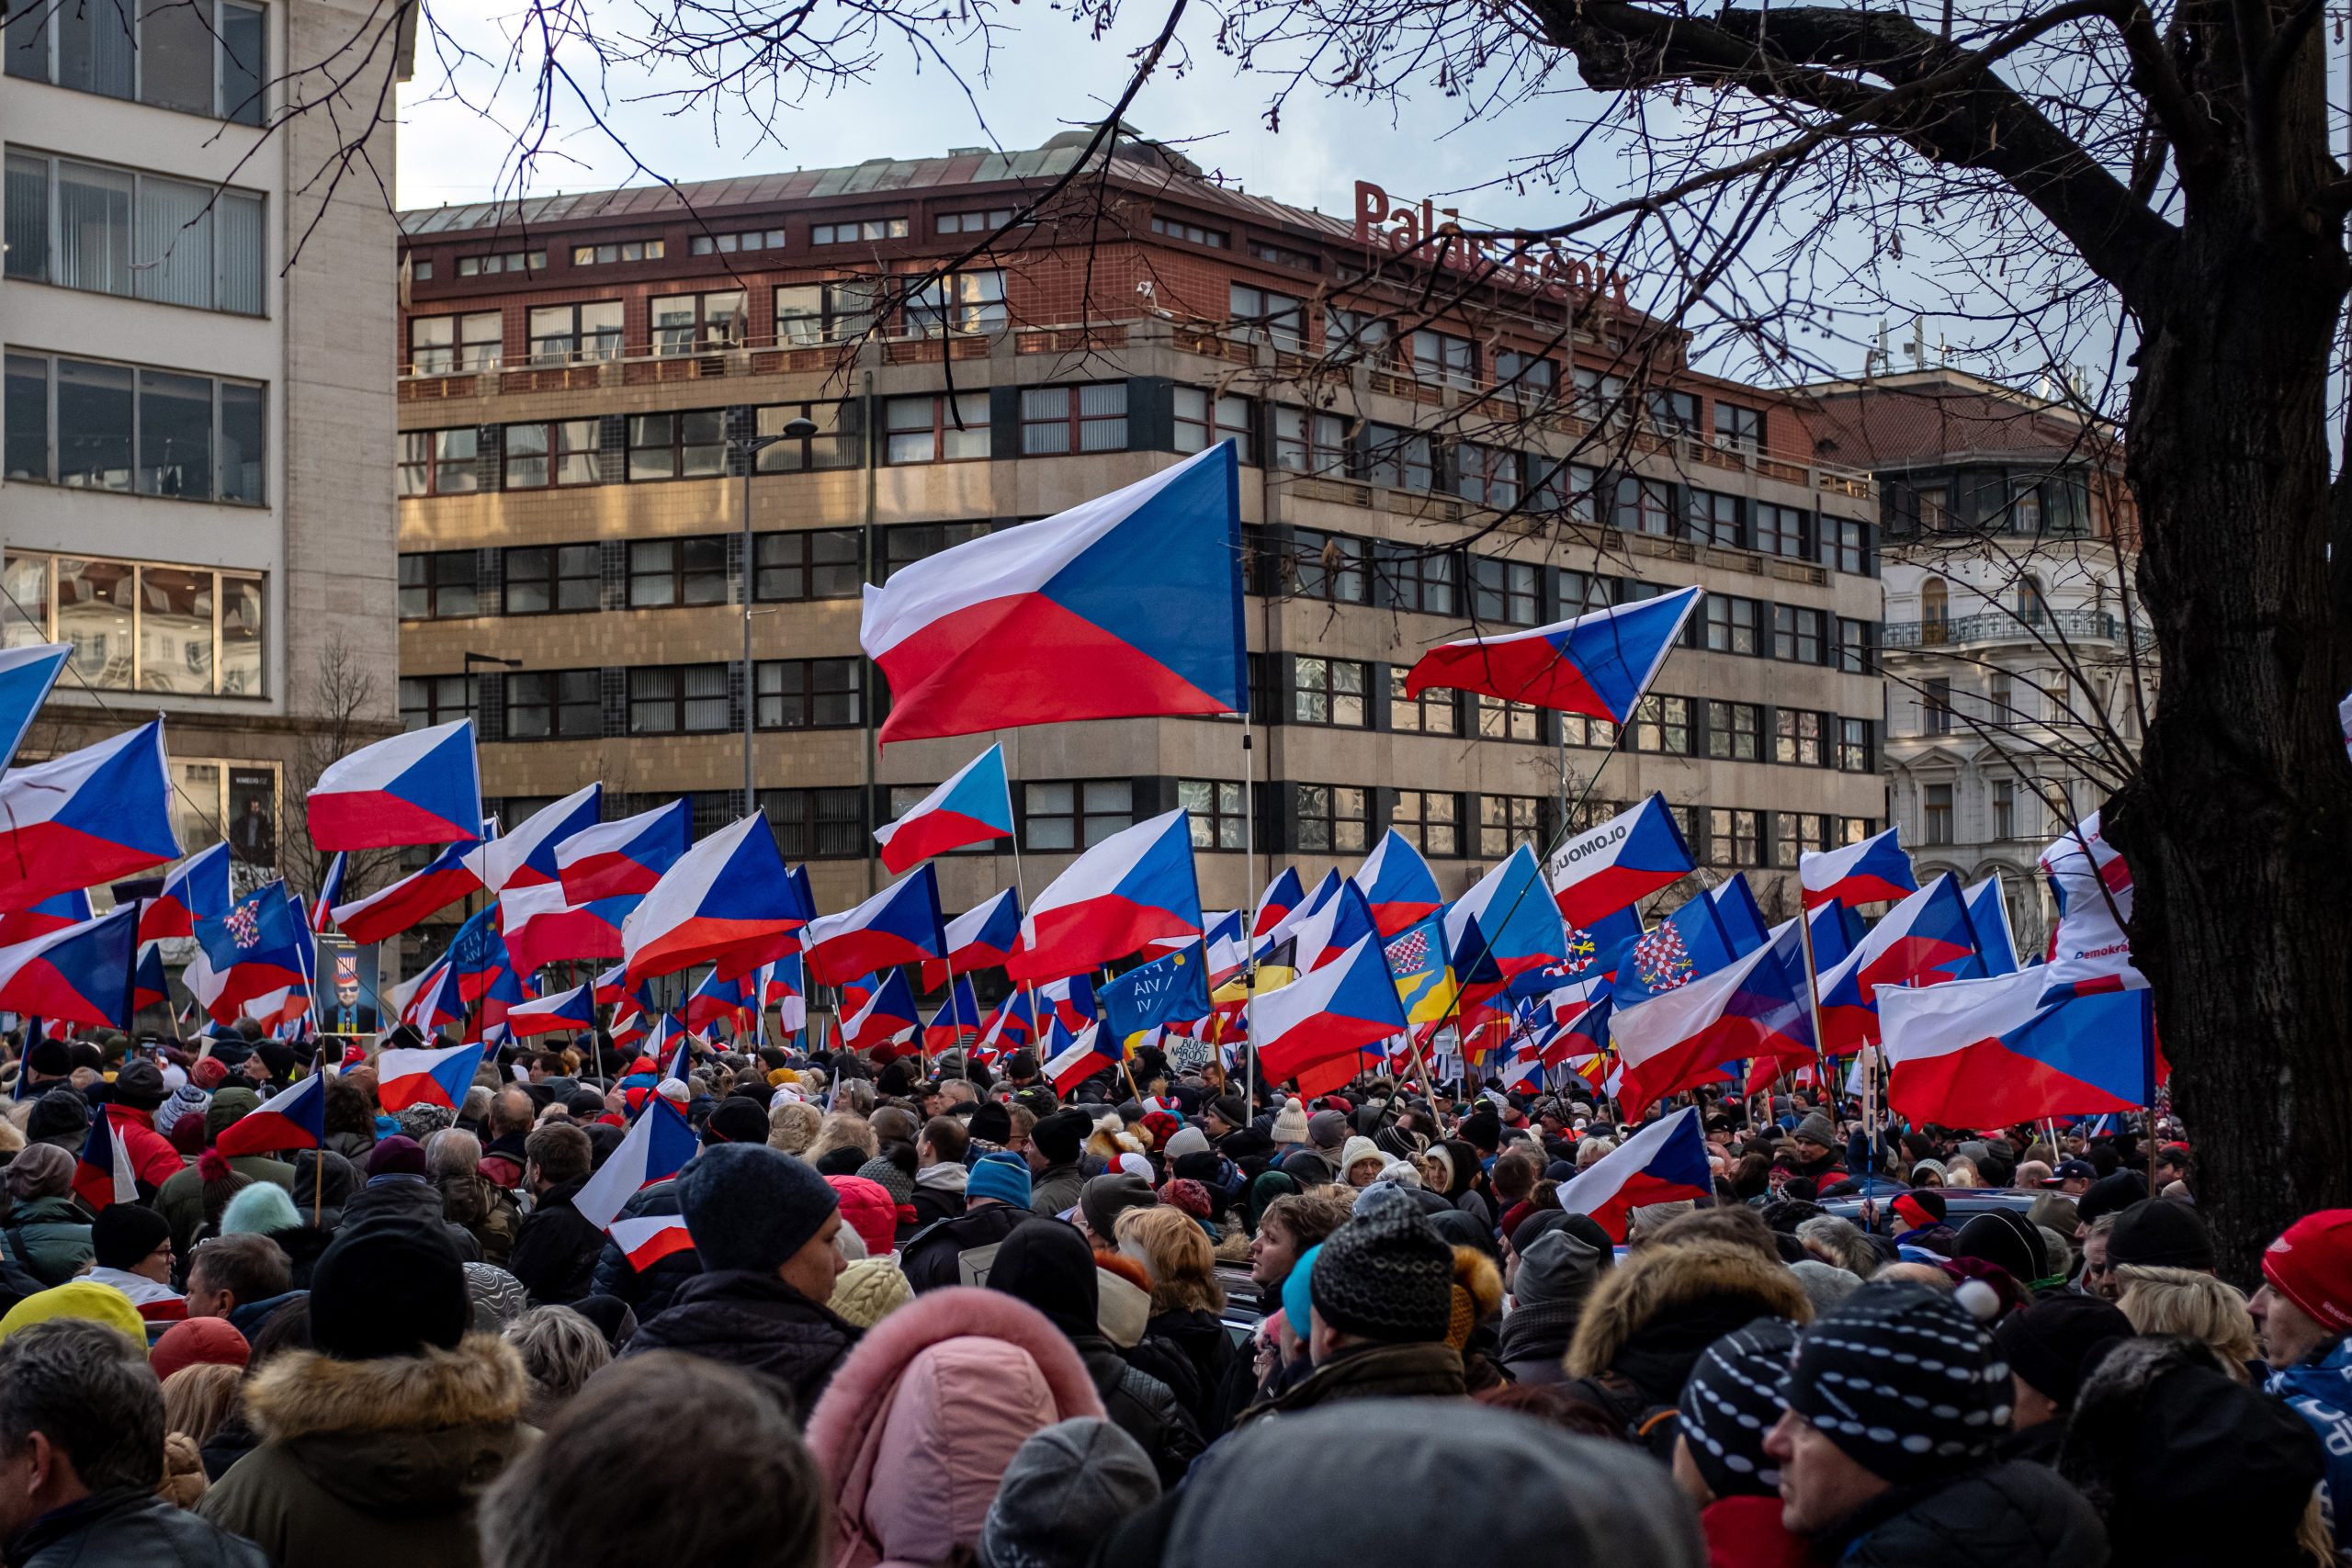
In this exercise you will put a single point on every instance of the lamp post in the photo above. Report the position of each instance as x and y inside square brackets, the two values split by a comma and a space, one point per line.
[747, 456]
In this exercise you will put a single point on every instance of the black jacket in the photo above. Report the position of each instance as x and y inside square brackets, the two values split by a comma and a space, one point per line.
[127, 1525]
[929, 1257]
[755, 1321]
[1191, 1353]
[2017, 1513]
[555, 1249]
[654, 1289]
[1535, 1341]
[1142, 1407]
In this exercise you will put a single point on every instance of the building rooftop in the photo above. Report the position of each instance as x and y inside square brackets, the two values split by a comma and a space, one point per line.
[1921, 416]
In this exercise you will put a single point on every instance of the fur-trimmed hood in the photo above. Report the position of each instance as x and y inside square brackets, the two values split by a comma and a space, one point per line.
[302, 1392]
[1670, 1281]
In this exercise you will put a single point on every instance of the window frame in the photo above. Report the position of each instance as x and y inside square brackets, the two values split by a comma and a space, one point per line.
[828, 232]
[709, 461]
[557, 704]
[431, 586]
[141, 273]
[1500, 825]
[470, 350]
[221, 654]
[1729, 724]
[1214, 417]
[806, 563]
[559, 584]
[1323, 813]
[680, 575]
[678, 699]
[558, 458]
[963, 429]
[778, 683]
[661, 342]
[813, 833]
[609, 342]
[252, 396]
[1217, 812]
[1437, 837]
[1258, 314]
[1318, 686]
[1498, 588]
[1083, 816]
[1073, 422]
[249, 110]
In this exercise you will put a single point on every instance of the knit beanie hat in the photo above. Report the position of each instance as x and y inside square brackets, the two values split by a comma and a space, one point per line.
[229, 1107]
[262, 1208]
[140, 1085]
[2049, 1344]
[1387, 1274]
[1290, 1123]
[1919, 1209]
[1004, 1177]
[1185, 1140]
[395, 1155]
[1358, 1148]
[1903, 1379]
[990, 1123]
[2311, 1265]
[1816, 1129]
[869, 1290]
[1230, 1109]
[78, 1298]
[49, 1057]
[869, 1211]
[56, 1113]
[749, 1206]
[1825, 1284]
[1059, 1137]
[736, 1121]
[198, 1341]
[886, 1173]
[1560, 1266]
[1731, 1401]
[1067, 1488]
[1326, 1129]
[389, 1287]
[1102, 1200]
[2158, 1232]
[125, 1233]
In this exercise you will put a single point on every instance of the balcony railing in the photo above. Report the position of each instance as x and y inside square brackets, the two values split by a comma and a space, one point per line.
[2005, 625]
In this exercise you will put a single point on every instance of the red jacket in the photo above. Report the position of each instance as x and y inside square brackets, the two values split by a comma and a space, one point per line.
[153, 1161]
[1747, 1532]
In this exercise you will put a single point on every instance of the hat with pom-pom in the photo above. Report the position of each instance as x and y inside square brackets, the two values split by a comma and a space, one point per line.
[1903, 1379]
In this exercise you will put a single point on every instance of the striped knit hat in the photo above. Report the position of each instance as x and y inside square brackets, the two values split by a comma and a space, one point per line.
[1387, 1274]
[1732, 1400]
[1903, 1379]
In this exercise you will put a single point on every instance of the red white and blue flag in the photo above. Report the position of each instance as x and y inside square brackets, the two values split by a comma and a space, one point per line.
[729, 894]
[1687, 1035]
[80, 972]
[1988, 917]
[1924, 939]
[982, 937]
[1503, 927]
[1666, 1162]
[614, 859]
[958, 1022]
[1136, 888]
[423, 787]
[50, 914]
[1071, 1058]
[1397, 885]
[886, 1018]
[260, 945]
[656, 1147]
[973, 806]
[648, 1238]
[406, 1077]
[574, 1010]
[1125, 606]
[1342, 1009]
[293, 1119]
[901, 924]
[1282, 895]
[93, 816]
[452, 875]
[542, 928]
[525, 857]
[430, 999]
[1875, 871]
[104, 1174]
[1598, 664]
[1618, 862]
[26, 676]
[197, 887]
[149, 986]
[1994, 1052]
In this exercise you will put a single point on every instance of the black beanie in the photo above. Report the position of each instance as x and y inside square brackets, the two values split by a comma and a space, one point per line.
[1059, 1137]
[49, 1058]
[56, 1113]
[1732, 1399]
[389, 1287]
[2157, 1233]
[1902, 1379]
[736, 1121]
[2002, 1238]
[123, 1234]
[2049, 1342]
[992, 1124]
[749, 1206]
[1051, 1266]
[2110, 1195]
[140, 1085]
[1387, 1274]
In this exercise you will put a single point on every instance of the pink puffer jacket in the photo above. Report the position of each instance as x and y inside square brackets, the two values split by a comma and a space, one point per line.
[916, 1428]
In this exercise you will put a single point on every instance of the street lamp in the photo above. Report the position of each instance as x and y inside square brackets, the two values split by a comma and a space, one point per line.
[747, 455]
[467, 665]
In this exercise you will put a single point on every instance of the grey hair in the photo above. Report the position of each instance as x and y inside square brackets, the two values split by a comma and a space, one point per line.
[452, 1151]
[560, 1351]
[1847, 1247]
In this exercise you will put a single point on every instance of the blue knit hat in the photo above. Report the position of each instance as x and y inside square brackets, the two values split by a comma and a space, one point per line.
[751, 1207]
[1297, 1303]
[1004, 1177]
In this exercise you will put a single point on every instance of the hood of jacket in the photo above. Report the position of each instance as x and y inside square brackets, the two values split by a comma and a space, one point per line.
[947, 1177]
[1663, 1296]
[399, 1434]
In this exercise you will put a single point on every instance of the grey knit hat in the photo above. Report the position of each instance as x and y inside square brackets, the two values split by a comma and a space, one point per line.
[1558, 1267]
[1816, 1129]
[886, 1173]
[749, 1206]
[1903, 1379]
[1067, 1488]
[1327, 1129]
[1387, 1274]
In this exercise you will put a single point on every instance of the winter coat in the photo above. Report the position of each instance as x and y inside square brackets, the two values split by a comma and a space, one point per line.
[153, 1161]
[487, 1211]
[929, 1257]
[51, 1237]
[353, 1146]
[183, 1482]
[2017, 1513]
[915, 1433]
[1193, 1354]
[939, 1194]
[1423, 1370]
[1535, 1341]
[652, 1290]
[125, 1525]
[1142, 1407]
[502, 1162]
[375, 1463]
[413, 1201]
[555, 1248]
[181, 1199]
[755, 1321]
[1747, 1532]
[2319, 1388]
[1055, 1190]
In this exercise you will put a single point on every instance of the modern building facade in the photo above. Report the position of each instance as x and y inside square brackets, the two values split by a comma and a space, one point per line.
[1428, 444]
[2018, 670]
[195, 491]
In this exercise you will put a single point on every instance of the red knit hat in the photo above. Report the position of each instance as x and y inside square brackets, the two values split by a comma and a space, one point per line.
[2311, 1265]
[868, 1209]
[195, 1341]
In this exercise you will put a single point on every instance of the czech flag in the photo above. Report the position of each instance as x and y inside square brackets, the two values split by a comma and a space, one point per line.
[429, 1000]
[294, 1119]
[423, 787]
[974, 807]
[649, 1239]
[1503, 927]
[1072, 1058]
[1125, 606]
[981, 938]
[148, 987]
[901, 924]
[526, 857]
[1397, 885]
[406, 1077]
[104, 1174]
[1282, 895]
[26, 675]
[81, 972]
[1072, 1000]
[1598, 664]
[96, 814]
[1622, 861]
[574, 1010]
[197, 887]
[1988, 917]
[1580, 1013]
[1334, 925]
[611, 860]
[888, 1016]
[1339, 1009]
[330, 893]
[49, 915]
[451, 876]
[1989, 1053]
[786, 988]
[659, 1143]
[541, 927]
[1664, 1163]
[1873, 871]
[1924, 939]
[1011, 1027]
[958, 1020]
[1135, 887]
[1686, 1036]
[727, 895]
[1228, 948]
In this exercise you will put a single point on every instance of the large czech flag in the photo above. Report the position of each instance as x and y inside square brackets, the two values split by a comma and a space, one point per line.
[1397, 885]
[614, 859]
[1125, 606]
[1503, 927]
[431, 1077]
[526, 856]
[659, 1144]
[1136, 888]
[1618, 862]
[541, 927]
[1990, 1053]
[1924, 939]
[887, 1017]
[1071, 1058]
[49, 915]
[294, 1119]
[1340, 1008]
[419, 788]
[1666, 1162]
[197, 887]
[451, 876]
[96, 814]
[727, 895]
[427, 1000]
[574, 1010]
[1687, 1035]
[26, 675]
[1988, 916]
[981, 938]
[973, 806]
[1598, 664]
[958, 1022]
[901, 924]
[80, 972]
[1873, 871]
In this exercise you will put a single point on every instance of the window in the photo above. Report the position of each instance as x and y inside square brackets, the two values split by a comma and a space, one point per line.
[1728, 624]
[2032, 608]
[429, 700]
[973, 222]
[1796, 634]
[141, 627]
[1278, 255]
[1797, 833]
[1430, 819]
[1796, 738]
[640, 251]
[89, 425]
[1734, 731]
[119, 232]
[811, 563]
[1356, 334]
[1215, 808]
[1739, 427]
[1414, 578]
[1180, 229]
[1644, 506]
[1599, 397]
[688, 446]
[715, 244]
[1854, 642]
[2056, 703]
[2005, 809]
[678, 699]
[850, 231]
[1854, 745]
[1569, 488]
[677, 571]
[2025, 510]
[439, 462]
[1486, 476]
[200, 57]
[442, 345]
[1935, 809]
[1076, 814]
[811, 313]
[1502, 593]
[1507, 821]
[817, 824]
[1845, 543]
[439, 585]
[1672, 411]
[1529, 374]
[1329, 692]
[1092, 418]
[554, 705]
[1734, 837]
[543, 578]
[1308, 443]
[1330, 566]
[836, 445]
[1260, 315]
[1444, 357]
[1399, 458]
[1935, 608]
[562, 334]
[1499, 719]
[959, 302]
[1434, 712]
[808, 693]
[1203, 420]
[1662, 723]
[504, 261]
[2001, 696]
[907, 543]
[1781, 530]
[1713, 517]
[1935, 706]
[540, 455]
[1333, 819]
[937, 428]
[691, 324]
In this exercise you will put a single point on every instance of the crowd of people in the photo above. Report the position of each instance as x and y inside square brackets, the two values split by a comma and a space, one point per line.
[932, 1313]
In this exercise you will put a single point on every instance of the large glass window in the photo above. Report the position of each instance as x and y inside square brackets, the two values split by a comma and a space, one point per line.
[1076, 814]
[1734, 837]
[1444, 358]
[848, 230]
[903, 544]
[207, 57]
[1501, 719]
[1728, 625]
[1502, 593]
[1738, 427]
[1307, 442]
[1413, 579]
[1845, 543]
[678, 699]
[619, 252]
[1430, 819]
[1329, 692]
[693, 323]
[439, 585]
[817, 824]
[429, 700]
[1796, 634]
[1734, 731]
[1781, 530]
[1507, 821]
[808, 314]
[1330, 566]
[836, 445]
[1529, 374]
[1711, 517]
[1644, 506]
[1662, 723]
[959, 302]
[139, 625]
[808, 693]
[554, 705]
[442, 345]
[1333, 819]
[1796, 738]
[541, 579]
[1435, 712]
[1203, 420]
[1399, 458]
[813, 563]
[1356, 334]
[562, 453]
[440, 462]
[119, 231]
[1215, 806]
[677, 571]
[1092, 418]
[96, 426]
[1265, 316]
[1486, 476]
[562, 334]
[936, 428]
[1854, 745]
[691, 445]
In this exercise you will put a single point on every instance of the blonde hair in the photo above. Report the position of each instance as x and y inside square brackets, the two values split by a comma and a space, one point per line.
[1175, 1251]
[843, 1130]
[793, 1125]
[2198, 1306]
[198, 1399]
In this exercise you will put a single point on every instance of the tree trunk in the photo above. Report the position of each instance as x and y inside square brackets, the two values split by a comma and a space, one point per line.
[2239, 830]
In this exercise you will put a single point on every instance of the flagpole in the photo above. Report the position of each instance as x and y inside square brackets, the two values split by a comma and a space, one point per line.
[1249, 919]
[1020, 891]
